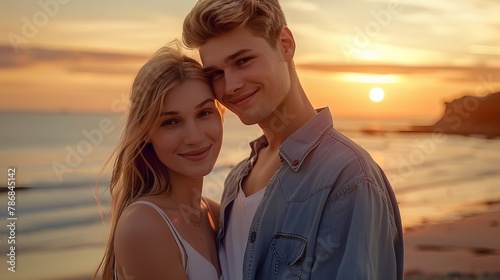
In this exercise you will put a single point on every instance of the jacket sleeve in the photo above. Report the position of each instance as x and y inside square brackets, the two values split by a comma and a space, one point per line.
[357, 235]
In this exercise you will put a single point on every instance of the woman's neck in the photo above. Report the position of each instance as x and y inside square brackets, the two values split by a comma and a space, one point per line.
[186, 192]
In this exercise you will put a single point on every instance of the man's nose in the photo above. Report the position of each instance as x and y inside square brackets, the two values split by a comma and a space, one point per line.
[233, 81]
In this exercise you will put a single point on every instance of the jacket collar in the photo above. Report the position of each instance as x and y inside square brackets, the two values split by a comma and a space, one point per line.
[298, 145]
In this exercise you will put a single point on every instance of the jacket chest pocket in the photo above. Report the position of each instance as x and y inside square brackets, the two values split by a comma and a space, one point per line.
[288, 255]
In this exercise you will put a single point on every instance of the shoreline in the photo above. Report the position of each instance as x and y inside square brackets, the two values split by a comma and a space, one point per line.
[430, 130]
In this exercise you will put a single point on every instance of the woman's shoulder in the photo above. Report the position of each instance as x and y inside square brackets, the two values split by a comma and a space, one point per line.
[145, 245]
[136, 217]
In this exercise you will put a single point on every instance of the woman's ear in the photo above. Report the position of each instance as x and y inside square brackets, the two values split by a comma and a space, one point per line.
[287, 43]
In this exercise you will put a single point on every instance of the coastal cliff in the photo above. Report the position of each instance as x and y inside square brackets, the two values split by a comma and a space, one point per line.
[470, 115]
[467, 115]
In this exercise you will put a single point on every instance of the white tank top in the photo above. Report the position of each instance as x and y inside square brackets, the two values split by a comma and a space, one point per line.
[195, 265]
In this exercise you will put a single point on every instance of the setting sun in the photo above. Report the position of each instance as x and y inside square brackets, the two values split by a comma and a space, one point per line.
[376, 94]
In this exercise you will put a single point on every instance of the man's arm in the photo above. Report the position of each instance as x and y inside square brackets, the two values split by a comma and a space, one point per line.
[357, 236]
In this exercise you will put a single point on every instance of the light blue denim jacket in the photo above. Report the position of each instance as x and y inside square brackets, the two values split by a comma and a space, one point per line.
[328, 212]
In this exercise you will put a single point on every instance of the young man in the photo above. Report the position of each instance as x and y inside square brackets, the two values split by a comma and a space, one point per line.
[308, 203]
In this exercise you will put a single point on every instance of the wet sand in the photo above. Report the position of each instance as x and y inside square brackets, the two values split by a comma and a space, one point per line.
[464, 249]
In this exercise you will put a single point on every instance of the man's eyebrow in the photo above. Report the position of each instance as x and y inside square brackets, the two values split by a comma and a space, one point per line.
[228, 59]
[235, 55]
[208, 100]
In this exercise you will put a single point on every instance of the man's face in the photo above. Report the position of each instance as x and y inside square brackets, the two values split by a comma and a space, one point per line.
[249, 76]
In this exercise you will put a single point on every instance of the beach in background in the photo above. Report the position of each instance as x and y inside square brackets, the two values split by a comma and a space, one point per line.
[392, 65]
[447, 188]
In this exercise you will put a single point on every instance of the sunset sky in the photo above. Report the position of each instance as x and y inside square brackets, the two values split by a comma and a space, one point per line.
[70, 55]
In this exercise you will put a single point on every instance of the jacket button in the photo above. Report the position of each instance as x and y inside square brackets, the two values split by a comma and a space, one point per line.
[295, 162]
[253, 235]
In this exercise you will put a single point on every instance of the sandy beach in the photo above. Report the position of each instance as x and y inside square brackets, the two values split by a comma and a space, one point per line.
[465, 249]
[449, 200]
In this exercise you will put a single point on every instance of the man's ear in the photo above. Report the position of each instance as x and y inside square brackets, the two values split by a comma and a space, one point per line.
[287, 43]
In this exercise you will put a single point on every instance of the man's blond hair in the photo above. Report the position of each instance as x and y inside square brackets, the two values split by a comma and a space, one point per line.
[211, 18]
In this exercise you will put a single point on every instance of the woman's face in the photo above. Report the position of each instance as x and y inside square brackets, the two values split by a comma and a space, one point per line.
[189, 136]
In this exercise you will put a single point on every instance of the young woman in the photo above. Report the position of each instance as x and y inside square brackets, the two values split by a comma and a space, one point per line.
[161, 226]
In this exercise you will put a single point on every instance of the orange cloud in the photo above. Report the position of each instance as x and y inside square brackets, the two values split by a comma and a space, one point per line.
[73, 61]
[38, 79]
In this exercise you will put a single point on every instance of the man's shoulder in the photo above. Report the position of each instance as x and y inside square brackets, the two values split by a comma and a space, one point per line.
[340, 148]
[341, 159]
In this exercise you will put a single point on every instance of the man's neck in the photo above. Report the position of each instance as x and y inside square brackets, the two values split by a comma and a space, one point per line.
[292, 114]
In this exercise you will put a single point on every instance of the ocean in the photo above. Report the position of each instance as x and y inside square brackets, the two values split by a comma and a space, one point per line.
[58, 158]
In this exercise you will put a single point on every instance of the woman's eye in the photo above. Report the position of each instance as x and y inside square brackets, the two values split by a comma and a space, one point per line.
[205, 113]
[169, 122]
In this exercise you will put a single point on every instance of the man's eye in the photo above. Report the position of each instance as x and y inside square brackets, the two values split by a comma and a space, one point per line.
[216, 74]
[242, 60]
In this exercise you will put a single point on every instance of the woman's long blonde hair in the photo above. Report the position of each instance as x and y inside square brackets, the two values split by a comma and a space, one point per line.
[137, 171]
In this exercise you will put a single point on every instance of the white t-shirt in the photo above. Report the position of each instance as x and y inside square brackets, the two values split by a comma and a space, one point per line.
[231, 254]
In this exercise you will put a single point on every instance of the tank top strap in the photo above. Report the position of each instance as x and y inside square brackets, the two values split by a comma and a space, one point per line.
[175, 234]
